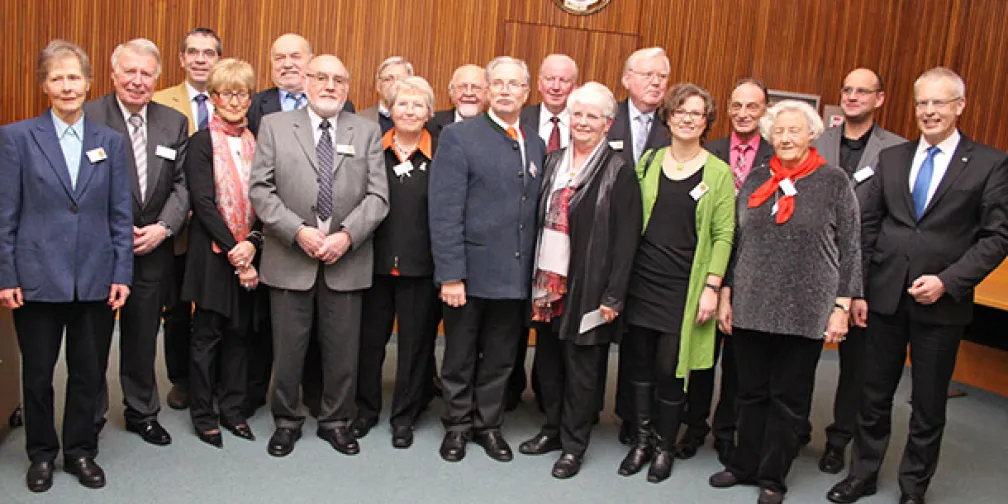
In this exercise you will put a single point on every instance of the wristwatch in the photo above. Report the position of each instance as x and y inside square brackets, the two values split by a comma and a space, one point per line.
[715, 288]
[843, 308]
[168, 232]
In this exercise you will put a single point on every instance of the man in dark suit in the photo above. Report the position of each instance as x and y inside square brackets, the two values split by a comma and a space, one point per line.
[935, 223]
[389, 71]
[289, 54]
[66, 257]
[468, 93]
[318, 185]
[485, 180]
[551, 120]
[853, 146]
[158, 135]
[635, 130]
[743, 149]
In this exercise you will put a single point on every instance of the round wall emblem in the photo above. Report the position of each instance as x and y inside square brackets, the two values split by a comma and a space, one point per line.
[581, 7]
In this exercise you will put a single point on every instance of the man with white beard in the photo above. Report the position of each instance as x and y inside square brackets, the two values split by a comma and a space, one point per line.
[468, 91]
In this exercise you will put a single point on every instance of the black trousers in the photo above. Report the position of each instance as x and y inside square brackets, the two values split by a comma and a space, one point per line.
[40, 329]
[410, 300]
[177, 325]
[776, 375]
[259, 349]
[481, 338]
[568, 378]
[933, 352]
[139, 321]
[701, 392]
[517, 381]
[213, 342]
[339, 315]
[849, 388]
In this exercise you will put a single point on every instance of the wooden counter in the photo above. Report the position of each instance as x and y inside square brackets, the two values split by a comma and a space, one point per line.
[993, 291]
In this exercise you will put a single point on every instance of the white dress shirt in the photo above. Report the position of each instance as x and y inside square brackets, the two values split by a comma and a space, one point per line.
[942, 159]
[546, 125]
[194, 105]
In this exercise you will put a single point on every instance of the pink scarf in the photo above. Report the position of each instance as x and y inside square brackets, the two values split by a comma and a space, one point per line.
[232, 184]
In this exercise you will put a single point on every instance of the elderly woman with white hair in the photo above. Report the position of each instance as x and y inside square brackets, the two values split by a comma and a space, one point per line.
[403, 283]
[795, 268]
[589, 221]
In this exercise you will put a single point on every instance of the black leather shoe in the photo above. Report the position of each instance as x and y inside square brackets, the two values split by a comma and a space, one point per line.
[151, 431]
[832, 460]
[911, 499]
[453, 447]
[688, 447]
[211, 438]
[540, 444]
[88, 473]
[725, 450]
[768, 496]
[178, 398]
[282, 441]
[661, 466]
[402, 436]
[39, 477]
[341, 439]
[626, 433]
[496, 447]
[850, 490]
[640, 453]
[723, 479]
[241, 430]
[360, 427]
[566, 466]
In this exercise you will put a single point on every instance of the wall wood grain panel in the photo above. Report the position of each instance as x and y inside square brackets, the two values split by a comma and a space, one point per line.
[620, 16]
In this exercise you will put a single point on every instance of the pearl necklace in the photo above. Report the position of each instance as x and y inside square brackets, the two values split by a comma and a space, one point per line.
[404, 153]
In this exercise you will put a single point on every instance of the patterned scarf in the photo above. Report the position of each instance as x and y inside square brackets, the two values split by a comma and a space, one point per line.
[554, 258]
[785, 205]
[230, 182]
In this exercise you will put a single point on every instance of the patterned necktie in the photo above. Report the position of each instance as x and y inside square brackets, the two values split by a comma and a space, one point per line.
[139, 152]
[923, 182]
[554, 138]
[740, 169]
[324, 152]
[642, 126]
[202, 112]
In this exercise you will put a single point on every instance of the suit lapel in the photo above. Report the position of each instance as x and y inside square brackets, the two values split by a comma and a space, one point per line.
[156, 135]
[960, 158]
[272, 102]
[344, 136]
[303, 133]
[87, 169]
[831, 146]
[114, 120]
[764, 153]
[45, 136]
[902, 180]
[871, 150]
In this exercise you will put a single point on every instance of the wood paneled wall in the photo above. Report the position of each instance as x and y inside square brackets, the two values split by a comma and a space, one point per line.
[797, 45]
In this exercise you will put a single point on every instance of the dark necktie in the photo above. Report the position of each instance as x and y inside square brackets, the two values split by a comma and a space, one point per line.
[554, 139]
[923, 182]
[324, 152]
[202, 113]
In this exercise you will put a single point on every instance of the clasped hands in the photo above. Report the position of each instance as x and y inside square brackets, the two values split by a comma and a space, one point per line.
[148, 238]
[240, 256]
[317, 245]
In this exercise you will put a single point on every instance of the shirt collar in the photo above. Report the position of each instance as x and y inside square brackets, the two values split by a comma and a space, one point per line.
[504, 126]
[458, 116]
[126, 113]
[947, 146]
[383, 110]
[861, 141]
[634, 113]
[425, 148]
[193, 92]
[753, 142]
[76, 129]
[545, 116]
[316, 120]
[284, 94]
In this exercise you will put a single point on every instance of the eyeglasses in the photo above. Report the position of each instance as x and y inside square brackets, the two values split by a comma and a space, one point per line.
[512, 86]
[391, 78]
[207, 53]
[228, 95]
[857, 91]
[748, 107]
[696, 115]
[649, 76]
[323, 79]
[468, 88]
[556, 79]
[923, 104]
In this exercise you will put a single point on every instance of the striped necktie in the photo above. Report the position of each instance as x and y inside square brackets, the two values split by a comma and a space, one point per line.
[139, 138]
[324, 152]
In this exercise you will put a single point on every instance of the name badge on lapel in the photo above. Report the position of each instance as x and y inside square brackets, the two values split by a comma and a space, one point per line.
[97, 155]
[863, 174]
[616, 144]
[423, 166]
[788, 187]
[165, 152]
[699, 191]
[345, 149]
[532, 169]
[404, 168]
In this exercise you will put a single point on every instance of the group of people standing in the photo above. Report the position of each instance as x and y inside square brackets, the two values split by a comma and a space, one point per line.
[312, 230]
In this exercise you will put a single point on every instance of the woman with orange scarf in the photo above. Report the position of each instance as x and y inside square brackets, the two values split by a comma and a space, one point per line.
[795, 267]
[224, 237]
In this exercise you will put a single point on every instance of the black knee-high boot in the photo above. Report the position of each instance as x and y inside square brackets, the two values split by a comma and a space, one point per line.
[666, 428]
[641, 450]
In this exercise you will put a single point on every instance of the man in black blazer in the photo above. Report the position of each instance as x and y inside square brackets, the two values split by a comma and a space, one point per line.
[468, 93]
[635, 130]
[156, 136]
[743, 149]
[935, 223]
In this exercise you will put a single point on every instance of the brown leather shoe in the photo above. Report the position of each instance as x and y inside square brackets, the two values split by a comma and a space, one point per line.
[178, 398]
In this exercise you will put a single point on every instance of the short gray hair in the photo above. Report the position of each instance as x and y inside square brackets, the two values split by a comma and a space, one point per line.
[649, 52]
[394, 60]
[451, 83]
[417, 84]
[507, 60]
[139, 45]
[815, 123]
[594, 93]
[58, 49]
[943, 73]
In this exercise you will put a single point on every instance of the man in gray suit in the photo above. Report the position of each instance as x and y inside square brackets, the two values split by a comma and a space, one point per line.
[318, 184]
[158, 135]
[853, 146]
[390, 70]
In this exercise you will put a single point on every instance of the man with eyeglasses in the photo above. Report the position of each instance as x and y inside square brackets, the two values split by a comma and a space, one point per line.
[551, 119]
[318, 185]
[853, 146]
[743, 149]
[159, 136]
[389, 71]
[935, 223]
[289, 54]
[201, 48]
[635, 130]
[485, 180]
[468, 93]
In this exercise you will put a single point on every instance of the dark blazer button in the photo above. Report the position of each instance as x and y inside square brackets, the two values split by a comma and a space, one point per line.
[73, 208]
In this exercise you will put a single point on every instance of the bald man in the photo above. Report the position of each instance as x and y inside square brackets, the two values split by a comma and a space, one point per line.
[468, 93]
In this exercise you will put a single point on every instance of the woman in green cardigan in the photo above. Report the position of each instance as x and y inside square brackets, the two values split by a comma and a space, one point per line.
[689, 221]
